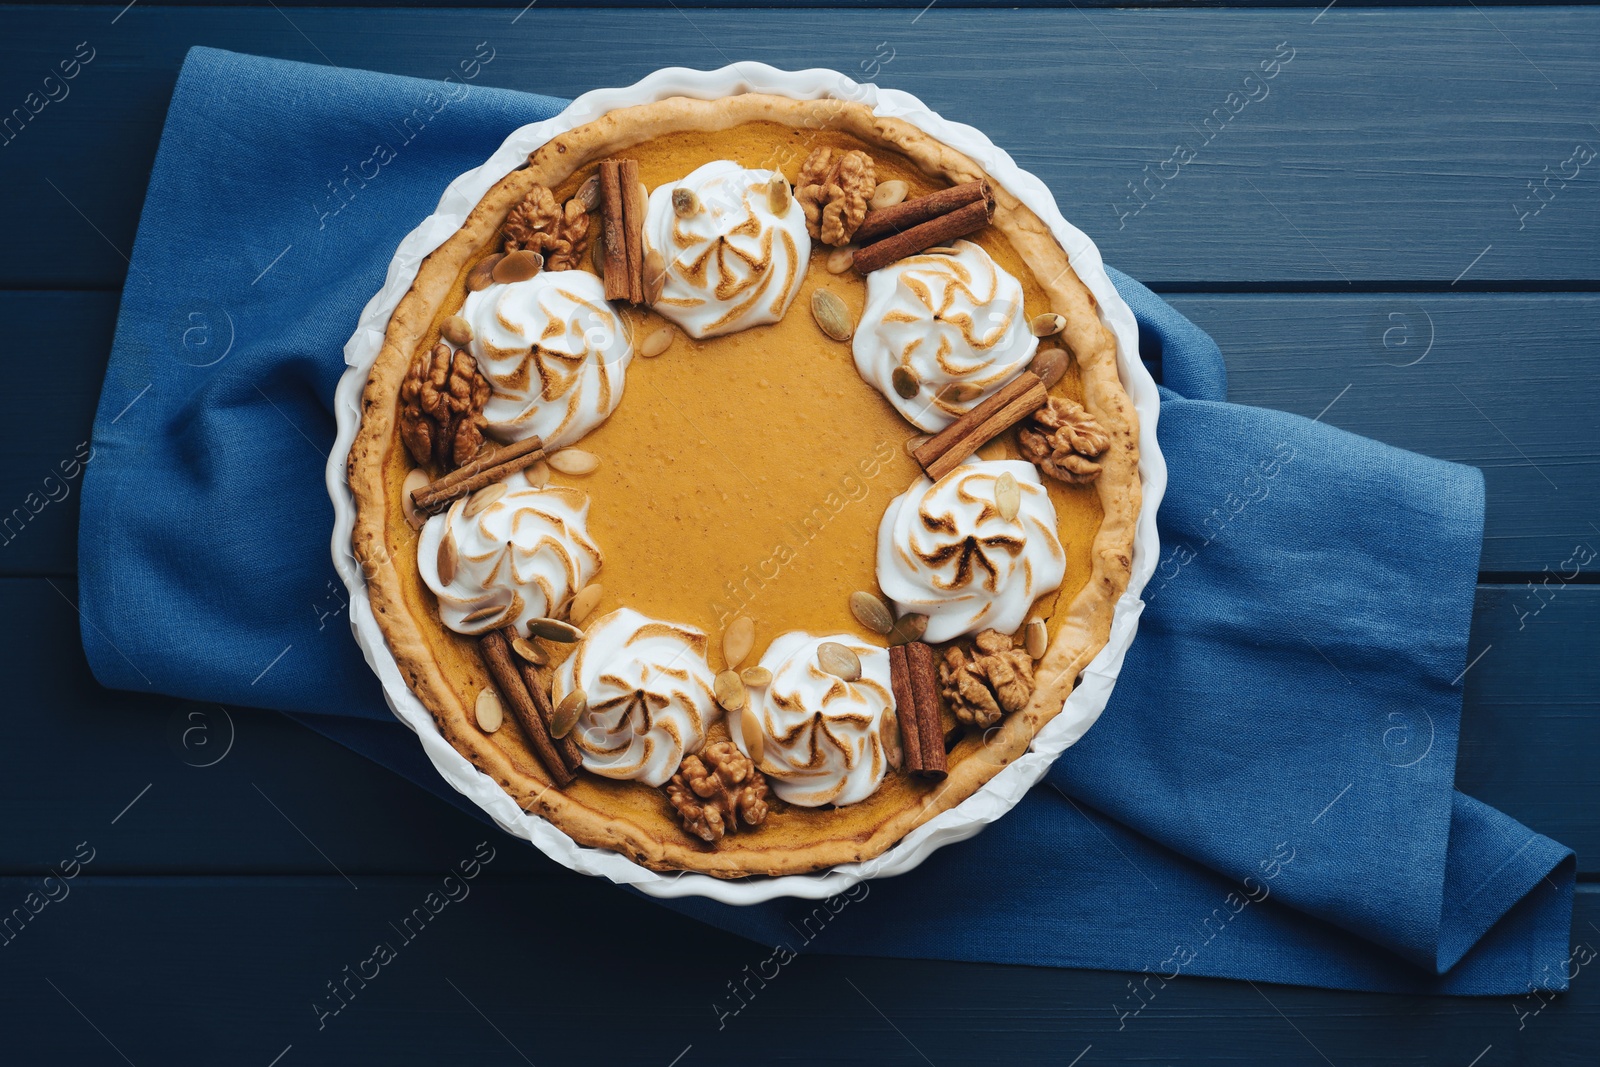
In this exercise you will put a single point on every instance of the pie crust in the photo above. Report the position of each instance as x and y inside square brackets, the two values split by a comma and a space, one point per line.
[443, 670]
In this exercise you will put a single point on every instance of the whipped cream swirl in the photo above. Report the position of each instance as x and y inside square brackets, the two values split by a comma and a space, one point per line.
[946, 319]
[945, 551]
[731, 262]
[649, 692]
[554, 351]
[520, 558]
[821, 743]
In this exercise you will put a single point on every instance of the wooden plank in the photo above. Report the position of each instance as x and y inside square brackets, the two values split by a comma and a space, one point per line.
[216, 789]
[166, 970]
[1532, 710]
[1509, 383]
[694, 5]
[49, 429]
[284, 800]
[1396, 145]
[1525, 363]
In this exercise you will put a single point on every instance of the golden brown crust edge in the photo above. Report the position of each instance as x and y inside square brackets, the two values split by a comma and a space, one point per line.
[1086, 621]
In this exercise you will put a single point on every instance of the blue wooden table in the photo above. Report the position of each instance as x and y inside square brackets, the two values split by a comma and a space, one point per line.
[1400, 235]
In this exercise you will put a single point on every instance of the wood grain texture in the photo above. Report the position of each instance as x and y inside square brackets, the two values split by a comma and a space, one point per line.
[914, 6]
[1509, 383]
[282, 800]
[210, 970]
[1531, 723]
[230, 790]
[1392, 147]
[1296, 353]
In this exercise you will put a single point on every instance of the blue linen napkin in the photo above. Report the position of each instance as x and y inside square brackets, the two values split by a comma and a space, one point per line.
[1268, 796]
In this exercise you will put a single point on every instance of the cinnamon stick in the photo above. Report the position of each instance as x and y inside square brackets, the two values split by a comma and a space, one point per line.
[909, 213]
[924, 679]
[633, 224]
[615, 230]
[905, 706]
[566, 747]
[497, 655]
[485, 470]
[1010, 404]
[936, 231]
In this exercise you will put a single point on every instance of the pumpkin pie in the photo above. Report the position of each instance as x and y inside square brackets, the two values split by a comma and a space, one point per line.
[745, 483]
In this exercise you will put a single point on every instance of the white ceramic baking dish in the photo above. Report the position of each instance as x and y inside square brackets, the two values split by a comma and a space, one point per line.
[1002, 792]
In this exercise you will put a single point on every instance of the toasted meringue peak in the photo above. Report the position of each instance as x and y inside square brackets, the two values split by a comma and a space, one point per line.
[945, 550]
[524, 554]
[555, 354]
[821, 741]
[649, 696]
[946, 319]
[732, 263]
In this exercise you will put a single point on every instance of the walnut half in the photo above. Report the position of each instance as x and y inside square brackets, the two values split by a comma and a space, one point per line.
[993, 679]
[538, 223]
[717, 790]
[1064, 440]
[441, 408]
[833, 190]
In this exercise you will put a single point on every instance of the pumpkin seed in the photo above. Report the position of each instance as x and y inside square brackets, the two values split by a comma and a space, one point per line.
[567, 713]
[1007, 496]
[449, 559]
[914, 443]
[584, 603]
[573, 461]
[472, 618]
[1050, 364]
[1036, 638]
[958, 393]
[684, 202]
[906, 385]
[588, 193]
[456, 330]
[778, 197]
[839, 661]
[530, 651]
[737, 640]
[889, 738]
[482, 276]
[832, 316]
[488, 711]
[756, 677]
[657, 343]
[729, 690]
[888, 194]
[518, 266]
[597, 254]
[538, 475]
[841, 260]
[871, 611]
[655, 275]
[1047, 324]
[908, 628]
[480, 500]
[755, 745]
[554, 630]
[414, 481]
